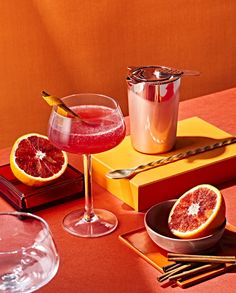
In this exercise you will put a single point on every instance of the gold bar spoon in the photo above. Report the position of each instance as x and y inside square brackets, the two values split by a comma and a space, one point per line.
[126, 173]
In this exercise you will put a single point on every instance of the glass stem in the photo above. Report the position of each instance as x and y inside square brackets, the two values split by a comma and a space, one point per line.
[89, 213]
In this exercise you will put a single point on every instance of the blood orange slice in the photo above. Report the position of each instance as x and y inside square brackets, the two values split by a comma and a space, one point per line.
[198, 212]
[35, 161]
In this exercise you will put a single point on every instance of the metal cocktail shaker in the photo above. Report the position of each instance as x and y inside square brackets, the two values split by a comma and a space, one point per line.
[153, 96]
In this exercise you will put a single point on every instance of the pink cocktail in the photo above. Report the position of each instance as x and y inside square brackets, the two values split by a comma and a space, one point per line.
[104, 132]
[100, 127]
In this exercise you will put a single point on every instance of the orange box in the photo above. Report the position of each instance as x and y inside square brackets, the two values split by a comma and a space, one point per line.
[171, 180]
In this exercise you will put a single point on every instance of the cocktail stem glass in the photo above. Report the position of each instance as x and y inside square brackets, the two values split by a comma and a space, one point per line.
[102, 128]
[89, 212]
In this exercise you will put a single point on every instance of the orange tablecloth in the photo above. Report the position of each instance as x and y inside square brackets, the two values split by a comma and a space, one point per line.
[105, 264]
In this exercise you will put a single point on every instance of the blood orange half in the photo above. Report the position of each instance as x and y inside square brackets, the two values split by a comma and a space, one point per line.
[198, 212]
[35, 161]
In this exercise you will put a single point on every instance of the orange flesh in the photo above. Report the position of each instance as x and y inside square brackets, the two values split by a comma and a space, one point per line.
[193, 210]
[38, 157]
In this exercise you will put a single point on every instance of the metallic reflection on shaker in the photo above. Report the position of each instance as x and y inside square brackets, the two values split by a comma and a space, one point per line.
[153, 96]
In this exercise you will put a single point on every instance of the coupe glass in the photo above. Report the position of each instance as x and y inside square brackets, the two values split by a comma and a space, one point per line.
[28, 255]
[100, 127]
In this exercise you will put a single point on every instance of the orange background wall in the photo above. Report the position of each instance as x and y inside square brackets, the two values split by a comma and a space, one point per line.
[68, 46]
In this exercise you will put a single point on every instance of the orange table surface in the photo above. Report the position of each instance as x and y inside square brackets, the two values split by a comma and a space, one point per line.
[105, 264]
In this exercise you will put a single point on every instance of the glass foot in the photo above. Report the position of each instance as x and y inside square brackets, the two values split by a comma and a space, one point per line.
[102, 223]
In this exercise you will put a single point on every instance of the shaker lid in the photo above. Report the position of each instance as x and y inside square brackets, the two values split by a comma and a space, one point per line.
[156, 74]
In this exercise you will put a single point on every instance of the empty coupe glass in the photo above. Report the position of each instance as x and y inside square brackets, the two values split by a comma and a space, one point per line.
[28, 255]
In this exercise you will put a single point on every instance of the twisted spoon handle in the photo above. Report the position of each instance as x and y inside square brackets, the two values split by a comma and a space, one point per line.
[189, 153]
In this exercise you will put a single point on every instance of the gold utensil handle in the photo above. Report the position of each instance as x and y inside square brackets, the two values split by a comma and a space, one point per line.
[189, 153]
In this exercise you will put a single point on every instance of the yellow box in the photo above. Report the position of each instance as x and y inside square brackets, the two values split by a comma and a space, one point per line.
[171, 180]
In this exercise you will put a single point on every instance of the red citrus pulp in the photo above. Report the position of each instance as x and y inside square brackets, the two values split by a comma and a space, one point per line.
[35, 161]
[198, 212]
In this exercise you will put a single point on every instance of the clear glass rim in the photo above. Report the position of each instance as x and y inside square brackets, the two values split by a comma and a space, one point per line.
[29, 215]
[116, 104]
